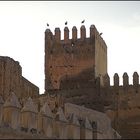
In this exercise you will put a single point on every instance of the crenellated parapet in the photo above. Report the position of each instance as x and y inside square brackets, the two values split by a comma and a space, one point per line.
[125, 80]
[56, 37]
[122, 104]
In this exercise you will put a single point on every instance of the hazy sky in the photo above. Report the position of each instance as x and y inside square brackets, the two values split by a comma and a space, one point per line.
[22, 26]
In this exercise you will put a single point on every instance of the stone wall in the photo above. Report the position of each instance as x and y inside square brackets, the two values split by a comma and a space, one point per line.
[11, 79]
[10, 76]
[70, 57]
[28, 89]
[100, 57]
[122, 104]
[103, 122]
[26, 121]
[77, 68]
[119, 102]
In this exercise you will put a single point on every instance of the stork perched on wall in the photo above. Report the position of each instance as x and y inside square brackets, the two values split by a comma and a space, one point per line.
[100, 34]
[83, 21]
[47, 24]
[66, 23]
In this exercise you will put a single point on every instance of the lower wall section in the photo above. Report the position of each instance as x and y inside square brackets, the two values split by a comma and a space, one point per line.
[8, 133]
[29, 122]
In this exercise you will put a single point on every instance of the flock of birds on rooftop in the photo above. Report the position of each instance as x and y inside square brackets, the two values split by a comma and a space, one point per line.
[67, 23]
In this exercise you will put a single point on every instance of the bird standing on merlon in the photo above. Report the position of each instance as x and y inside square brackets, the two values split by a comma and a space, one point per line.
[66, 23]
[83, 21]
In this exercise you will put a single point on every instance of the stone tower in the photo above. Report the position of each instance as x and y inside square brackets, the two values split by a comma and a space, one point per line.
[83, 58]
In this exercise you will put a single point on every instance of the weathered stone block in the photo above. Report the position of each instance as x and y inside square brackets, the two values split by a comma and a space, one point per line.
[45, 121]
[29, 115]
[73, 127]
[11, 111]
[60, 125]
[1, 110]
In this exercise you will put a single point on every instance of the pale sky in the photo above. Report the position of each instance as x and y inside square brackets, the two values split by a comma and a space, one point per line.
[23, 23]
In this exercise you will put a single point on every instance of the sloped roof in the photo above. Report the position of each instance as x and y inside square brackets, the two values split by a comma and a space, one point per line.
[45, 110]
[1, 100]
[87, 124]
[60, 115]
[12, 101]
[29, 106]
[73, 119]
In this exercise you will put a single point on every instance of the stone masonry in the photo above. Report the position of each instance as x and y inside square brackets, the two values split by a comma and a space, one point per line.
[29, 121]
[24, 114]
[78, 102]
[11, 79]
[68, 58]
[76, 69]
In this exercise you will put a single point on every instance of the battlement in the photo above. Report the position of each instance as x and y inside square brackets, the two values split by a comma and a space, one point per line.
[125, 80]
[56, 37]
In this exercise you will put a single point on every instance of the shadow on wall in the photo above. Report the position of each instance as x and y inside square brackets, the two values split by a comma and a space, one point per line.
[84, 79]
